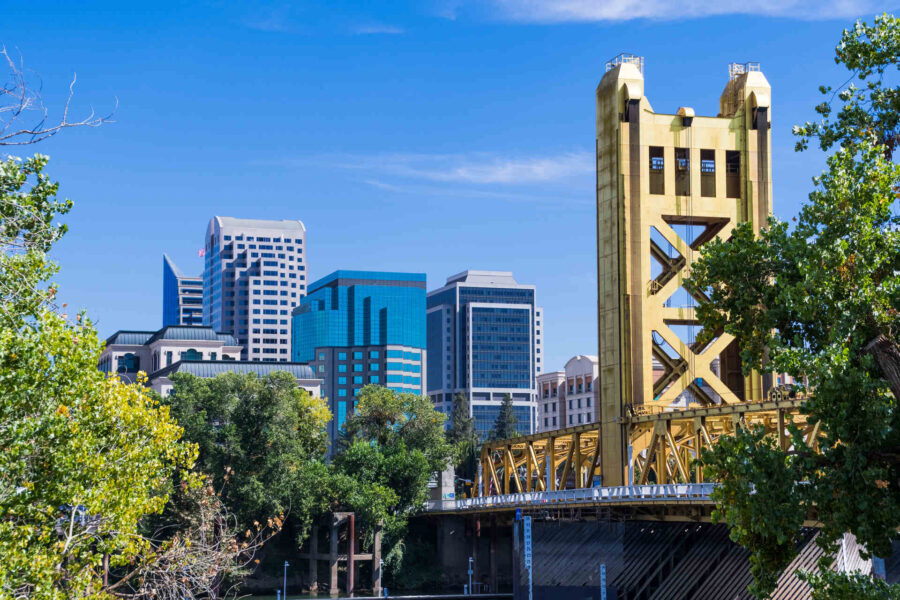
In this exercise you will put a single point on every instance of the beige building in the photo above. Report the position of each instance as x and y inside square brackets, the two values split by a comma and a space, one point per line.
[667, 183]
[569, 397]
[197, 350]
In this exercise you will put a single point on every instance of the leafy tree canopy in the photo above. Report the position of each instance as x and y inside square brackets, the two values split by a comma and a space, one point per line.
[821, 300]
[83, 458]
[261, 435]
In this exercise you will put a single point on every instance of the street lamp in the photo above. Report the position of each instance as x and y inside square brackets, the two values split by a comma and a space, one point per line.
[284, 588]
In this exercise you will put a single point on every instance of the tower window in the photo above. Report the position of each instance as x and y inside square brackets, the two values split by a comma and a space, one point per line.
[733, 173]
[708, 173]
[657, 170]
[682, 172]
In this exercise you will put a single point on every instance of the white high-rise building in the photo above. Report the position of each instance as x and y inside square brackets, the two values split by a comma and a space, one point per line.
[253, 277]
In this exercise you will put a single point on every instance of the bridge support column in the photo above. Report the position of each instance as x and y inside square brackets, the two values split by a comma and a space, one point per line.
[493, 554]
[313, 561]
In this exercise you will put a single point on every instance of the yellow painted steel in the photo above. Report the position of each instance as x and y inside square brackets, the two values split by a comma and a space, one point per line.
[664, 447]
[658, 173]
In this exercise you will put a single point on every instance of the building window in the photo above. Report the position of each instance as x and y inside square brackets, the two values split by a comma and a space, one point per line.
[168, 358]
[342, 356]
[373, 378]
[357, 379]
[373, 366]
[128, 362]
[191, 354]
[682, 172]
[373, 354]
[357, 368]
[733, 173]
[357, 355]
[212, 356]
[321, 356]
[342, 381]
[708, 173]
[342, 368]
[342, 392]
[657, 170]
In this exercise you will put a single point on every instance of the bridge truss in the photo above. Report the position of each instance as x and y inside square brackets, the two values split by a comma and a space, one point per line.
[663, 447]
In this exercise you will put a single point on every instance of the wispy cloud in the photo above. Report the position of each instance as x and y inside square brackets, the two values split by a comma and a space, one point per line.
[277, 19]
[378, 28]
[570, 11]
[468, 168]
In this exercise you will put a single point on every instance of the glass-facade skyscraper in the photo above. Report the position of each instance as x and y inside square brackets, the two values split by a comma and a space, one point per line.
[484, 340]
[182, 296]
[254, 275]
[362, 327]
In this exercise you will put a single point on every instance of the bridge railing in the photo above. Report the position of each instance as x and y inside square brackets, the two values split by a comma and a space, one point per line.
[669, 493]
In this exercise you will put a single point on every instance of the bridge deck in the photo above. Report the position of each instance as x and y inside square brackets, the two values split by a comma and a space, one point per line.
[669, 494]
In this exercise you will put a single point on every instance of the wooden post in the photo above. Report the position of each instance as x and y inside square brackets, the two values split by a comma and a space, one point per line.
[333, 557]
[351, 549]
[313, 562]
[376, 561]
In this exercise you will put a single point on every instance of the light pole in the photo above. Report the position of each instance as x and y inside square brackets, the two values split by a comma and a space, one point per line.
[284, 588]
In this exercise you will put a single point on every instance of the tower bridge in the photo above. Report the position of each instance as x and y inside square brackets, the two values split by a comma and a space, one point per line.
[626, 491]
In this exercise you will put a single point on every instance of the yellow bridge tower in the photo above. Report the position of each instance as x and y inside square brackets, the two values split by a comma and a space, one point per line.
[667, 184]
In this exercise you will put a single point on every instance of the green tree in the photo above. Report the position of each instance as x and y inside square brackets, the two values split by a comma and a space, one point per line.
[462, 426]
[83, 458]
[821, 301]
[505, 425]
[263, 436]
[392, 446]
[463, 435]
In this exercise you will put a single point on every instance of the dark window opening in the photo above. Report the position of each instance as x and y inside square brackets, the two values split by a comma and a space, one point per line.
[708, 173]
[733, 173]
[657, 170]
[682, 172]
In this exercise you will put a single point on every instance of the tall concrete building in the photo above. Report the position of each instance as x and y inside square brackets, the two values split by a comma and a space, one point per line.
[182, 296]
[253, 277]
[362, 327]
[485, 340]
[666, 185]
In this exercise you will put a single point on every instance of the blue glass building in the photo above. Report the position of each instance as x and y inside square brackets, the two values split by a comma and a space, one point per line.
[360, 327]
[182, 296]
[484, 340]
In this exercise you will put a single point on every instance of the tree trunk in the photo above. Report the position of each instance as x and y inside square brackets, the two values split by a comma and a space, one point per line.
[887, 355]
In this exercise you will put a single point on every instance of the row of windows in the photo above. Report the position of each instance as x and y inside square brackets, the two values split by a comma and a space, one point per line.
[707, 172]
[250, 238]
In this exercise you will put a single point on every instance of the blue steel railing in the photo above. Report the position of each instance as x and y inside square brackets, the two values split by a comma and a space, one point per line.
[679, 493]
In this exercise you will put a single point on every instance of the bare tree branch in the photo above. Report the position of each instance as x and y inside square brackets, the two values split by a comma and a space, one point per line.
[23, 116]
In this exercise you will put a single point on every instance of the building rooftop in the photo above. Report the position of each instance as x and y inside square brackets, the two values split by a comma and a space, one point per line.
[285, 224]
[129, 338]
[483, 278]
[171, 332]
[367, 277]
[211, 368]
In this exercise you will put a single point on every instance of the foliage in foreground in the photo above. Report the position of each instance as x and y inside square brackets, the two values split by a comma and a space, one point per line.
[822, 301]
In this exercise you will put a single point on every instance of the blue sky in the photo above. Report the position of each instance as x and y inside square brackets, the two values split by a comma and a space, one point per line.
[428, 136]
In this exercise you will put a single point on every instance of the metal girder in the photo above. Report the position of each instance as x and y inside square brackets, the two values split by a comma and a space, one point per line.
[664, 446]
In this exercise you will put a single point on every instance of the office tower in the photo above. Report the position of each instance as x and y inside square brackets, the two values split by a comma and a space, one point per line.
[666, 185]
[360, 327]
[485, 340]
[182, 296]
[254, 276]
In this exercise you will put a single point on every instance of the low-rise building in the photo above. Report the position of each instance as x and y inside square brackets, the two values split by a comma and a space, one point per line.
[568, 398]
[190, 349]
